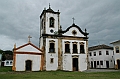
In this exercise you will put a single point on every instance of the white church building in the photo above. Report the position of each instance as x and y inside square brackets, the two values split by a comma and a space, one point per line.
[63, 49]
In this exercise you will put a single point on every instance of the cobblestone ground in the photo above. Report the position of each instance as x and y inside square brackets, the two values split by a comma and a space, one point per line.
[101, 70]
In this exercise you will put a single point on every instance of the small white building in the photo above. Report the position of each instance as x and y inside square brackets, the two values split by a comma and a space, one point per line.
[0, 59]
[101, 56]
[8, 62]
[63, 49]
[27, 57]
[116, 46]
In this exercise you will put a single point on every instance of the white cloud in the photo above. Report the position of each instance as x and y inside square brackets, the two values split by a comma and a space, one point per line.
[20, 18]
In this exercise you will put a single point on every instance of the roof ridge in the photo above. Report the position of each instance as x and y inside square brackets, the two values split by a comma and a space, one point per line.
[29, 43]
[74, 25]
[102, 46]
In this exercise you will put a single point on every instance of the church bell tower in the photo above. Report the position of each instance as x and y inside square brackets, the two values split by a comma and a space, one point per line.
[49, 21]
[49, 26]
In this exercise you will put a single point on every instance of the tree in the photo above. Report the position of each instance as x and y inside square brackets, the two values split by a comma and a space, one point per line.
[1, 51]
[3, 55]
[8, 52]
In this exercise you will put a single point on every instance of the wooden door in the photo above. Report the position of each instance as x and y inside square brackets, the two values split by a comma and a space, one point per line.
[75, 64]
[28, 65]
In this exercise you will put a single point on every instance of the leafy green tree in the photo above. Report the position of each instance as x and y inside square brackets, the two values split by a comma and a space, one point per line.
[8, 52]
[3, 54]
[1, 51]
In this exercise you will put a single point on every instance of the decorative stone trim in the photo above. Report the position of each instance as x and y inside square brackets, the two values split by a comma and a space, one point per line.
[74, 32]
[75, 56]
[82, 43]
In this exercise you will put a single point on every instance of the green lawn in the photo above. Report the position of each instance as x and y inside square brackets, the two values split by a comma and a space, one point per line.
[57, 75]
[5, 69]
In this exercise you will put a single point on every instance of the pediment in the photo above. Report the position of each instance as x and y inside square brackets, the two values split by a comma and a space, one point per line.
[74, 30]
[29, 47]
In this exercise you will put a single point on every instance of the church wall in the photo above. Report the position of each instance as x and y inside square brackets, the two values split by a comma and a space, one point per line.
[69, 33]
[21, 58]
[82, 62]
[49, 65]
[55, 23]
[67, 62]
[42, 25]
[68, 57]
[28, 48]
[41, 42]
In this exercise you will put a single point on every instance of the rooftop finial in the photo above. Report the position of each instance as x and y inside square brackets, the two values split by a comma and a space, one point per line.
[29, 38]
[45, 8]
[85, 30]
[60, 27]
[14, 45]
[49, 5]
[73, 20]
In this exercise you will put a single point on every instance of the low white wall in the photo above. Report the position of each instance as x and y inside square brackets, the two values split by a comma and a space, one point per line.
[21, 58]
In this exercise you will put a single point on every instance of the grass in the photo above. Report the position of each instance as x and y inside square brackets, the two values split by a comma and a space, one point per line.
[56, 75]
[5, 69]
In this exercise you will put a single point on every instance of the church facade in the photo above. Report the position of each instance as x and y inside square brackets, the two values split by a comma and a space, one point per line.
[63, 49]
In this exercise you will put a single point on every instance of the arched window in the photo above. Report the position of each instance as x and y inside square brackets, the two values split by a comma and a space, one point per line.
[67, 47]
[75, 50]
[117, 49]
[82, 49]
[51, 46]
[7, 62]
[51, 60]
[51, 22]
[10, 62]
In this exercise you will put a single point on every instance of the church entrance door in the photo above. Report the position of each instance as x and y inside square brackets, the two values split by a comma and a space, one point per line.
[28, 65]
[75, 64]
[118, 63]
